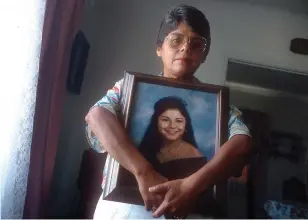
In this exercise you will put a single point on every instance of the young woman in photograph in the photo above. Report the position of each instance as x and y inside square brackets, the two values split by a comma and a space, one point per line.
[169, 140]
[169, 145]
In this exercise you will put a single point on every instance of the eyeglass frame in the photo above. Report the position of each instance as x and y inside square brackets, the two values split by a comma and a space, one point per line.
[187, 40]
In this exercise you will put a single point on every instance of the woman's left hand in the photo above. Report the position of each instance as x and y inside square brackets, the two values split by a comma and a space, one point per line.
[179, 196]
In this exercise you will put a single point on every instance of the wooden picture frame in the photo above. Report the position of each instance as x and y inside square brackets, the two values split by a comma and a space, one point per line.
[120, 185]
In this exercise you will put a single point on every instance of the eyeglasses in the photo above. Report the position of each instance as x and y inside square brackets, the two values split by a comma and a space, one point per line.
[176, 41]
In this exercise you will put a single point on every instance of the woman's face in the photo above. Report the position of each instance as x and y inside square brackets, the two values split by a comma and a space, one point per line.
[183, 61]
[171, 124]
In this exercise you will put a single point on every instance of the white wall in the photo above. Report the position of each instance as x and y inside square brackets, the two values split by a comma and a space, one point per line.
[122, 36]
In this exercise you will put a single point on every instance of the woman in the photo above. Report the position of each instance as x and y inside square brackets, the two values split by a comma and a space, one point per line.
[170, 135]
[183, 44]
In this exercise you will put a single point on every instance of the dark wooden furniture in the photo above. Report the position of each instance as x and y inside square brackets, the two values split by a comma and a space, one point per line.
[294, 190]
[247, 192]
[89, 182]
[256, 173]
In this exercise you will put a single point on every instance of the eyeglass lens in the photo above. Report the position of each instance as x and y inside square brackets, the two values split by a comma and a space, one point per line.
[195, 43]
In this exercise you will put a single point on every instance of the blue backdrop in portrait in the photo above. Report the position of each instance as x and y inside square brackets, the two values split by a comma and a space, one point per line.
[201, 106]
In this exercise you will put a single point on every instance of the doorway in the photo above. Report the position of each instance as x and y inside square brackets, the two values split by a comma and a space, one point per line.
[282, 97]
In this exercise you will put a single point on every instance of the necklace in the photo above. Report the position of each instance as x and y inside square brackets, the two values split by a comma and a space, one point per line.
[170, 153]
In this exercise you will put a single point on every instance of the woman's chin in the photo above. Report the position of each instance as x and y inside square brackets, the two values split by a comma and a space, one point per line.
[180, 73]
[172, 138]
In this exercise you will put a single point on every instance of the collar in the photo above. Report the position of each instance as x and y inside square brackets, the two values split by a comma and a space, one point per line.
[195, 80]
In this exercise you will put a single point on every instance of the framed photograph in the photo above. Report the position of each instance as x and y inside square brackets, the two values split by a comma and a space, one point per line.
[177, 126]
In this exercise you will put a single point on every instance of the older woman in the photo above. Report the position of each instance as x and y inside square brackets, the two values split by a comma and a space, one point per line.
[183, 44]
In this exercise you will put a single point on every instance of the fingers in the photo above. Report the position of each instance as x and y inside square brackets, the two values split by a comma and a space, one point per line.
[147, 205]
[168, 206]
[172, 210]
[163, 208]
[160, 188]
[153, 202]
[150, 202]
[159, 199]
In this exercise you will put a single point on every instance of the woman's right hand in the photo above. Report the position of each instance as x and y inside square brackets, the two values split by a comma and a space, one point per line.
[146, 180]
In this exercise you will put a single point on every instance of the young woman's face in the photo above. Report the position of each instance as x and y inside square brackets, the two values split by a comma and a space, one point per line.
[171, 124]
[181, 61]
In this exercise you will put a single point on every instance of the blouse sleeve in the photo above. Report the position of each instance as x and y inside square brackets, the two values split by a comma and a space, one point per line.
[111, 102]
[236, 125]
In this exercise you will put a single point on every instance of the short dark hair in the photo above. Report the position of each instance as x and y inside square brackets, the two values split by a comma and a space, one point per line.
[189, 15]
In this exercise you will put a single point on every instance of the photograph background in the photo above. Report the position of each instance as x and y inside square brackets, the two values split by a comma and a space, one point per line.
[202, 108]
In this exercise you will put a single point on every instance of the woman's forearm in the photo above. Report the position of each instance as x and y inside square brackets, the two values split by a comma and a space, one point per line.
[229, 160]
[112, 136]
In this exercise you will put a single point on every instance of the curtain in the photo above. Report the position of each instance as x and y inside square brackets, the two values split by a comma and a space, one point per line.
[60, 25]
[21, 25]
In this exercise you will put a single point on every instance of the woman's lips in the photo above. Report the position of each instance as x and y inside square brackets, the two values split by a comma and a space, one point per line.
[184, 60]
[171, 132]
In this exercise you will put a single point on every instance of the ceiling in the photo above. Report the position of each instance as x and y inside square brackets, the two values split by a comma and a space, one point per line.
[294, 6]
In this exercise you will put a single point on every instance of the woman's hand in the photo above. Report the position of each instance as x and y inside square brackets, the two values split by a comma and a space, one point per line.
[179, 197]
[145, 181]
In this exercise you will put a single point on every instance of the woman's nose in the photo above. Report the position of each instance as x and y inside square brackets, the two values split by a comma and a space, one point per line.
[172, 125]
[185, 46]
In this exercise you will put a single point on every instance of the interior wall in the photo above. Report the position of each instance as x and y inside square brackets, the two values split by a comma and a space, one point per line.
[122, 35]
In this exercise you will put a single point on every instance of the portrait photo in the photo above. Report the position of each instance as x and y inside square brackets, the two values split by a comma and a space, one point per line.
[173, 127]
[176, 126]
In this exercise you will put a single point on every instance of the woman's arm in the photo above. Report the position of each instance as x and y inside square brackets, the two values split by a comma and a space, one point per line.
[229, 159]
[112, 136]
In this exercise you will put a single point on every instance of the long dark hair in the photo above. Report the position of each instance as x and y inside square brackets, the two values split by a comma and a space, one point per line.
[152, 140]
